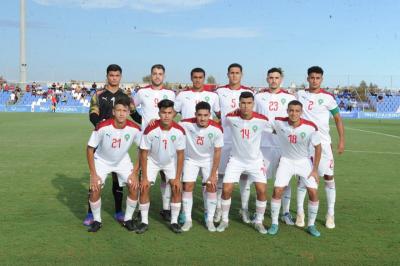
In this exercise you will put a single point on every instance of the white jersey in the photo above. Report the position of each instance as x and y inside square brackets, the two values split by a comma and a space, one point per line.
[147, 98]
[200, 142]
[186, 101]
[295, 141]
[163, 144]
[246, 136]
[112, 144]
[229, 102]
[317, 108]
[272, 105]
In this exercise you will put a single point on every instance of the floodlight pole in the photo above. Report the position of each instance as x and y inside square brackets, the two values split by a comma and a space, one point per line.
[22, 54]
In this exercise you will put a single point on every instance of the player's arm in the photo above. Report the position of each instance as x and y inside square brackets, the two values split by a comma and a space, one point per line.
[95, 180]
[212, 180]
[94, 110]
[340, 130]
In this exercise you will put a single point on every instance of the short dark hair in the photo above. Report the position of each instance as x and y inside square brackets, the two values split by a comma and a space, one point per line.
[246, 94]
[295, 102]
[315, 69]
[159, 66]
[275, 69]
[114, 67]
[123, 100]
[235, 65]
[166, 103]
[203, 106]
[197, 70]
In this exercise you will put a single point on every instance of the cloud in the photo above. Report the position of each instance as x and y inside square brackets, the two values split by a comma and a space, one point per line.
[207, 33]
[154, 6]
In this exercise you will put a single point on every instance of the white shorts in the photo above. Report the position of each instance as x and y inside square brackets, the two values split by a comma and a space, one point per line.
[288, 168]
[256, 171]
[192, 168]
[225, 154]
[123, 170]
[153, 169]
[271, 159]
[327, 163]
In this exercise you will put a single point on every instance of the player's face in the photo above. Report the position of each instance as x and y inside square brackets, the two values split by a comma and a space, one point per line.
[157, 76]
[246, 105]
[314, 81]
[166, 115]
[198, 80]
[274, 80]
[120, 113]
[294, 113]
[202, 117]
[114, 78]
[234, 76]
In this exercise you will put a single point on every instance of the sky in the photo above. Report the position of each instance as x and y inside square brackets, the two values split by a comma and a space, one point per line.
[351, 40]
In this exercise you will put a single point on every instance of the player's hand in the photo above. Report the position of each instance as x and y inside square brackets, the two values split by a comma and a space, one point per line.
[176, 185]
[133, 182]
[95, 183]
[340, 148]
[144, 183]
[314, 174]
[212, 182]
[152, 122]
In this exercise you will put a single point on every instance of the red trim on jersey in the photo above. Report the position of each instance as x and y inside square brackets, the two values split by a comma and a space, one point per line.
[241, 87]
[215, 124]
[285, 119]
[129, 123]
[308, 122]
[150, 87]
[175, 125]
[259, 116]
[105, 123]
[322, 91]
[150, 128]
[253, 115]
[190, 120]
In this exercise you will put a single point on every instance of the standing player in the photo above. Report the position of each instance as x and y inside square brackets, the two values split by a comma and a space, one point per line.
[204, 140]
[273, 102]
[101, 106]
[295, 136]
[246, 158]
[229, 101]
[186, 101]
[162, 149]
[107, 152]
[148, 98]
[318, 106]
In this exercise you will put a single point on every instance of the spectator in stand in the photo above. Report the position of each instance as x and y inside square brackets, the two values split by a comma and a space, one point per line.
[341, 105]
[353, 104]
[53, 103]
[12, 98]
[64, 98]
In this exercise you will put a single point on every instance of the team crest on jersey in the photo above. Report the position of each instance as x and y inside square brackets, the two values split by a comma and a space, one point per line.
[255, 128]
[210, 135]
[207, 98]
[283, 101]
[173, 138]
[127, 137]
[165, 96]
[320, 101]
[302, 135]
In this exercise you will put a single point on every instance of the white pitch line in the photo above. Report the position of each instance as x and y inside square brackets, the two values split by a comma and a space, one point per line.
[373, 132]
[375, 152]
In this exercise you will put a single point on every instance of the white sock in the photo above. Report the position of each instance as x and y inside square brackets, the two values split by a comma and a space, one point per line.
[187, 203]
[244, 192]
[165, 195]
[130, 208]
[301, 194]
[204, 190]
[260, 210]
[144, 212]
[211, 205]
[175, 209]
[330, 190]
[96, 210]
[312, 211]
[275, 207]
[220, 186]
[225, 206]
[287, 194]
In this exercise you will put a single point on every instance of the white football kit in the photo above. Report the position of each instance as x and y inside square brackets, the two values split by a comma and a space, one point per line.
[186, 101]
[112, 145]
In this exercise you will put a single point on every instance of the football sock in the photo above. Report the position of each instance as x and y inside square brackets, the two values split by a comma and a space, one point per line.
[187, 203]
[204, 190]
[312, 211]
[165, 195]
[275, 207]
[330, 190]
[96, 210]
[260, 210]
[211, 205]
[175, 209]
[301, 194]
[144, 212]
[220, 186]
[287, 194]
[225, 206]
[244, 192]
[130, 208]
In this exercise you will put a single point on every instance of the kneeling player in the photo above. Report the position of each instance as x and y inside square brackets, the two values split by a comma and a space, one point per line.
[162, 149]
[112, 139]
[295, 135]
[246, 128]
[204, 140]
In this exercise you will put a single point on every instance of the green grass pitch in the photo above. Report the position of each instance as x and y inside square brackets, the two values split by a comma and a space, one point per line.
[43, 192]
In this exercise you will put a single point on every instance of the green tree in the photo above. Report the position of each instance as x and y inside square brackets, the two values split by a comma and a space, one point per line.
[211, 80]
[146, 79]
